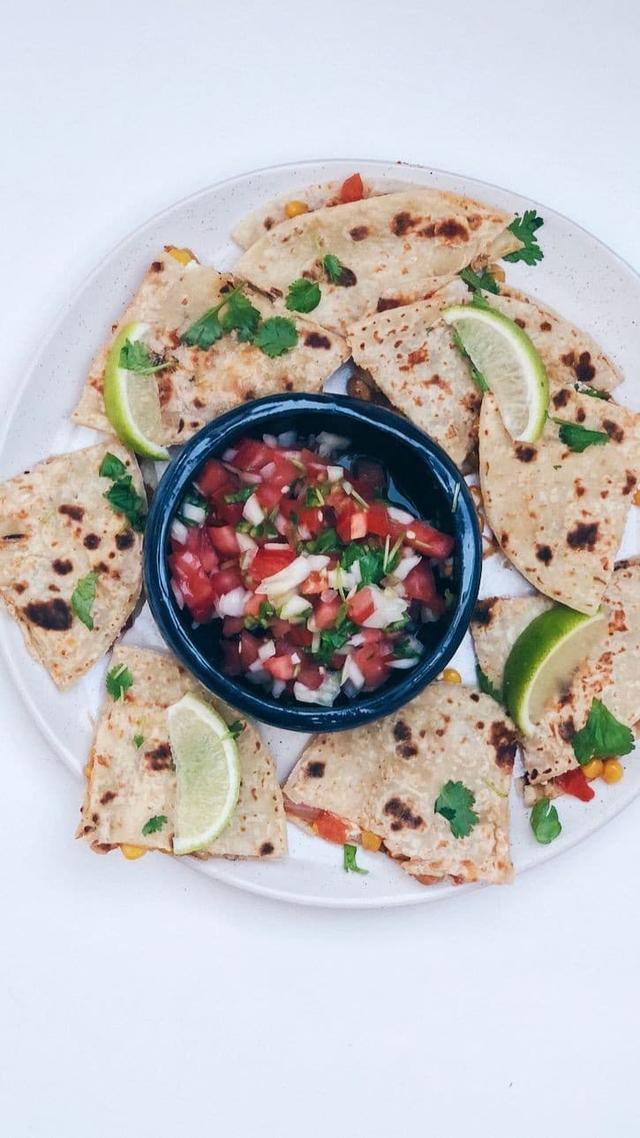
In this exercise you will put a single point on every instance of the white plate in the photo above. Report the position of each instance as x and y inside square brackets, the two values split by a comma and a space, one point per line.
[579, 277]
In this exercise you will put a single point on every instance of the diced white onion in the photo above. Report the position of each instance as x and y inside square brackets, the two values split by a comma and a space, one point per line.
[324, 695]
[252, 511]
[177, 592]
[270, 440]
[304, 533]
[295, 658]
[328, 443]
[246, 543]
[315, 642]
[388, 608]
[196, 514]
[404, 567]
[400, 515]
[267, 649]
[247, 557]
[281, 523]
[335, 473]
[344, 579]
[288, 579]
[295, 608]
[249, 477]
[351, 673]
[229, 454]
[256, 673]
[233, 602]
[402, 664]
[287, 439]
[278, 688]
[328, 595]
[179, 531]
[267, 471]
[357, 640]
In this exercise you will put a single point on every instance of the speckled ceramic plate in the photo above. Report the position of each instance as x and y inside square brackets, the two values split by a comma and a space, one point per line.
[39, 425]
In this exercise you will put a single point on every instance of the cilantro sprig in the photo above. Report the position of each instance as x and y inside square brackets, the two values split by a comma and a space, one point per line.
[476, 375]
[602, 736]
[482, 280]
[122, 496]
[454, 803]
[154, 824]
[303, 295]
[276, 336]
[578, 438]
[525, 229]
[594, 392]
[119, 680]
[235, 312]
[135, 356]
[486, 686]
[349, 862]
[544, 822]
[82, 598]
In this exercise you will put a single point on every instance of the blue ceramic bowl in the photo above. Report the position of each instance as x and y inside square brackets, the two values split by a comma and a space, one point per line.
[422, 473]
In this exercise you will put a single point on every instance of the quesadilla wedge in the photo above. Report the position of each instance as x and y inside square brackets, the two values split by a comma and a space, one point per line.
[198, 385]
[387, 250]
[130, 790]
[384, 782]
[558, 512]
[609, 673]
[411, 356]
[70, 565]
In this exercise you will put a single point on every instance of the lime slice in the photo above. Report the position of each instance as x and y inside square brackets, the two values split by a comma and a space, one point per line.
[509, 363]
[543, 660]
[131, 399]
[207, 773]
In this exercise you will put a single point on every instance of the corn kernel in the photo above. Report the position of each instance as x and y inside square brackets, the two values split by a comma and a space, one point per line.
[181, 255]
[613, 771]
[132, 852]
[593, 769]
[636, 498]
[370, 841]
[295, 208]
[451, 676]
[497, 272]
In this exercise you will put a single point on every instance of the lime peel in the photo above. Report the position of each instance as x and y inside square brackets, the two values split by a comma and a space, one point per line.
[131, 401]
[207, 773]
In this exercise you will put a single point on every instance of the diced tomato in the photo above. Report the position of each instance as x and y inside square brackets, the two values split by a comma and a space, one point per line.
[575, 782]
[232, 625]
[199, 544]
[315, 465]
[371, 635]
[299, 636]
[269, 561]
[290, 508]
[249, 646]
[252, 606]
[313, 518]
[315, 583]
[224, 539]
[361, 606]
[420, 585]
[280, 628]
[326, 613]
[351, 522]
[380, 524]
[231, 658]
[268, 495]
[352, 189]
[194, 584]
[426, 539]
[331, 827]
[372, 664]
[285, 473]
[280, 667]
[252, 455]
[225, 580]
[213, 478]
[370, 478]
[310, 675]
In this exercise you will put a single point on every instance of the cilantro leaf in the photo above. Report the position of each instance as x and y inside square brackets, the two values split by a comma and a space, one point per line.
[594, 392]
[204, 332]
[240, 495]
[236, 728]
[332, 640]
[276, 336]
[112, 467]
[476, 375]
[333, 267]
[544, 822]
[138, 740]
[349, 860]
[265, 613]
[82, 598]
[578, 438]
[118, 681]
[405, 650]
[328, 542]
[135, 356]
[483, 279]
[154, 824]
[371, 561]
[602, 736]
[303, 295]
[486, 686]
[524, 228]
[454, 803]
[240, 314]
[124, 499]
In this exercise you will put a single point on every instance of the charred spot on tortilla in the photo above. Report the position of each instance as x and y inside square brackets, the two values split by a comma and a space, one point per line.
[504, 741]
[475, 697]
[520, 322]
[544, 553]
[525, 453]
[387, 302]
[403, 815]
[75, 512]
[401, 731]
[347, 278]
[157, 266]
[159, 759]
[567, 729]
[584, 369]
[268, 223]
[483, 612]
[614, 430]
[13, 536]
[315, 770]
[579, 488]
[545, 326]
[54, 616]
[418, 357]
[62, 566]
[402, 223]
[107, 797]
[583, 536]
[91, 541]
[165, 388]
[406, 750]
[266, 848]
[125, 539]
[316, 340]
[561, 398]
[449, 228]
[20, 587]
[359, 232]
[630, 482]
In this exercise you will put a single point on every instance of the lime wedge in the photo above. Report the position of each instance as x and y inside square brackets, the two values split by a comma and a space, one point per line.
[510, 365]
[207, 773]
[131, 399]
[543, 659]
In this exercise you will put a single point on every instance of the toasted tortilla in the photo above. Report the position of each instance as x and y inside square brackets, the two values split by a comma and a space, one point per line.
[559, 515]
[411, 356]
[200, 385]
[609, 673]
[55, 528]
[127, 785]
[385, 778]
[395, 249]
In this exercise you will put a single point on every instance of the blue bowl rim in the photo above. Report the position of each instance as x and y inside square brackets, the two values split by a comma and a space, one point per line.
[214, 438]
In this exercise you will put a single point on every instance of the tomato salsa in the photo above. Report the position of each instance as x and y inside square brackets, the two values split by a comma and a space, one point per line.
[320, 581]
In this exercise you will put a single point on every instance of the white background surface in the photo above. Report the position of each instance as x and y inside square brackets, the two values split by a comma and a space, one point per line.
[136, 998]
